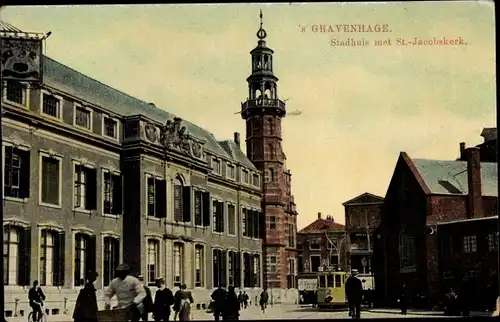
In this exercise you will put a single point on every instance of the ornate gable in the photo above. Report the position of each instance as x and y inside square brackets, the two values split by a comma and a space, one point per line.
[364, 198]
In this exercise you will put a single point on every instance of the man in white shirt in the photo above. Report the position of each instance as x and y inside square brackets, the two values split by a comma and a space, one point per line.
[128, 290]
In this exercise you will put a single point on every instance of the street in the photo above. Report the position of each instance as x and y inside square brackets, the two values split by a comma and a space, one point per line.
[285, 312]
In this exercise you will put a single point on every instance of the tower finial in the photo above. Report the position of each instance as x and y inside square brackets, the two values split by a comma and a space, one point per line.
[261, 34]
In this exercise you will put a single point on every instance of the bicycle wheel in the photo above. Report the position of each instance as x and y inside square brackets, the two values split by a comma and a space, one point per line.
[30, 317]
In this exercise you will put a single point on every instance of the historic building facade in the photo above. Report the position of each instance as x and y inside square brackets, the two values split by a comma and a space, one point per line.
[263, 112]
[94, 177]
[322, 243]
[362, 218]
[438, 228]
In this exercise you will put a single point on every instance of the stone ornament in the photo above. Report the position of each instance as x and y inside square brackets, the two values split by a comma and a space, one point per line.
[21, 59]
[174, 136]
[151, 133]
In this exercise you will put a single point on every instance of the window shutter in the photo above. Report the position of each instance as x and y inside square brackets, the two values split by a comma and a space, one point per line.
[224, 267]
[250, 222]
[198, 217]
[252, 271]
[206, 209]
[161, 199]
[8, 170]
[262, 222]
[221, 216]
[186, 204]
[90, 260]
[59, 264]
[91, 189]
[255, 216]
[25, 175]
[117, 193]
[24, 258]
[237, 269]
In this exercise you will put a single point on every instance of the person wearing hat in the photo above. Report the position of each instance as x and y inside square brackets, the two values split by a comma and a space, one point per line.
[129, 291]
[164, 299]
[148, 300]
[354, 293]
[86, 302]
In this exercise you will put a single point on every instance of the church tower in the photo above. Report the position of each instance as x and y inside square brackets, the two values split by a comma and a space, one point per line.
[263, 112]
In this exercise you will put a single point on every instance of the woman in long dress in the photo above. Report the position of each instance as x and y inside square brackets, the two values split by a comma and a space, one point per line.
[183, 299]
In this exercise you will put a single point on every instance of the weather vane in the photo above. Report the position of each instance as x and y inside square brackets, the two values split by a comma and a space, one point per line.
[261, 34]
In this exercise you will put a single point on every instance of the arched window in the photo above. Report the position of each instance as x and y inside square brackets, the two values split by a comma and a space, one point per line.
[153, 260]
[406, 248]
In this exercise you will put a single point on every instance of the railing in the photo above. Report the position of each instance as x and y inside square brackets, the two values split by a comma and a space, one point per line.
[263, 102]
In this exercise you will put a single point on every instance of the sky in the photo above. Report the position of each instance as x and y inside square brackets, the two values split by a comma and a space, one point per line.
[361, 106]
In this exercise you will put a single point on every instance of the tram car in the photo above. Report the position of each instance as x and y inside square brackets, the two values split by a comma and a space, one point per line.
[331, 288]
[307, 283]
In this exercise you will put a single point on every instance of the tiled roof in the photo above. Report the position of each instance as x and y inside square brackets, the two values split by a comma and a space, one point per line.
[235, 152]
[450, 177]
[321, 225]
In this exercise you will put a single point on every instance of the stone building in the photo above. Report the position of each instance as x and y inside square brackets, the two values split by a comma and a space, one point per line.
[94, 177]
[362, 218]
[320, 244]
[263, 112]
[438, 227]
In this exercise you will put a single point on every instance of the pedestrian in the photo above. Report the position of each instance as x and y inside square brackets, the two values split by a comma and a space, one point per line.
[354, 293]
[232, 306]
[219, 298]
[465, 297]
[164, 299]
[148, 300]
[245, 299]
[264, 298]
[240, 299]
[36, 298]
[403, 299]
[183, 300]
[129, 291]
[86, 302]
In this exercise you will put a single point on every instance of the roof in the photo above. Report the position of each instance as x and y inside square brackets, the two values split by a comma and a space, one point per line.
[450, 177]
[321, 225]
[235, 152]
[74, 83]
[364, 198]
[489, 133]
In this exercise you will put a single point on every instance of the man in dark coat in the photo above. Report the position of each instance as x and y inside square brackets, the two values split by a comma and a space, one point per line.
[219, 298]
[264, 299]
[164, 299]
[232, 306]
[354, 293]
[36, 298]
[148, 300]
[86, 302]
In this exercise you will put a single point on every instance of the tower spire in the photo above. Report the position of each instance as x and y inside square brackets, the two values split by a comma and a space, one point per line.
[261, 34]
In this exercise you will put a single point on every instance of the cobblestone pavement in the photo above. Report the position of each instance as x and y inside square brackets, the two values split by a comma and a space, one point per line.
[291, 312]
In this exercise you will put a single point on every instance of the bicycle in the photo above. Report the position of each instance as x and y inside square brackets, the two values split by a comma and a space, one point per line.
[42, 317]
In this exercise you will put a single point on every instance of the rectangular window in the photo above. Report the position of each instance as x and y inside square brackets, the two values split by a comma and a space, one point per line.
[199, 262]
[273, 263]
[334, 260]
[16, 93]
[256, 270]
[230, 171]
[83, 117]
[470, 244]
[85, 254]
[198, 208]
[272, 222]
[110, 127]
[16, 255]
[291, 235]
[493, 241]
[244, 176]
[112, 193]
[256, 180]
[153, 261]
[17, 173]
[219, 261]
[85, 187]
[51, 106]
[244, 228]
[217, 166]
[52, 258]
[178, 263]
[231, 219]
[50, 181]
[315, 244]
[156, 197]
[218, 216]
[111, 250]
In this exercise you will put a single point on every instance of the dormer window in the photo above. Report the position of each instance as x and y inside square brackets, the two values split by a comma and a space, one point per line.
[217, 166]
[83, 117]
[230, 171]
[256, 180]
[244, 176]
[15, 93]
[110, 127]
[51, 106]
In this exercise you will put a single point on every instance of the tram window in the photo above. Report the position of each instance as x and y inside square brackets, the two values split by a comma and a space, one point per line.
[322, 280]
[329, 279]
[338, 281]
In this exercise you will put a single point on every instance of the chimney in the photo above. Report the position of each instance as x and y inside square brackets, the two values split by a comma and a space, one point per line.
[237, 139]
[462, 150]
[475, 196]
[319, 215]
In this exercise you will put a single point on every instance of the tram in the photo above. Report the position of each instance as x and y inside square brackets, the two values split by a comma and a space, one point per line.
[331, 288]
